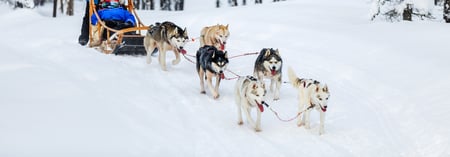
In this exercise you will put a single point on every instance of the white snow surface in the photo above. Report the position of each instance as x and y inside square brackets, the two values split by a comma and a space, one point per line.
[389, 85]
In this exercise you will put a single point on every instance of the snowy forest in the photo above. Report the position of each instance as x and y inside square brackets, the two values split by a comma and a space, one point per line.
[388, 10]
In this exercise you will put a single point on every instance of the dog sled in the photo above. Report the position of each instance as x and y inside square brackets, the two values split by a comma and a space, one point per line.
[127, 41]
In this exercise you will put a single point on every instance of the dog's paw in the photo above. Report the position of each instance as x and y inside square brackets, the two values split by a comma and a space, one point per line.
[202, 92]
[307, 127]
[276, 98]
[257, 129]
[216, 96]
[149, 61]
[240, 123]
[321, 132]
[300, 124]
[176, 61]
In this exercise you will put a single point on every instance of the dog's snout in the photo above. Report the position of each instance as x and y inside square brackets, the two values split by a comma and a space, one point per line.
[221, 71]
[325, 107]
[181, 47]
[224, 42]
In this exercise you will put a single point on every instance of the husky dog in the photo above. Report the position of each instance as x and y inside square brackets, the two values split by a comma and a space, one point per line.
[268, 65]
[249, 93]
[211, 63]
[163, 37]
[214, 36]
[311, 94]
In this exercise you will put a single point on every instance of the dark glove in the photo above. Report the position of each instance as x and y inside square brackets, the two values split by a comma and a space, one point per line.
[127, 24]
[111, 23]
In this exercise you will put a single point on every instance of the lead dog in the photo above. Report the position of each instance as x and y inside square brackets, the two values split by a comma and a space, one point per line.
[216, 36]
[163, 37]
[311, 94]
[269, 65]
[249, 93]
[211, 63]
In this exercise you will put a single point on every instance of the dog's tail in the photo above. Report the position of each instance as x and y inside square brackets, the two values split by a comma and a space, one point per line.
[295, 81]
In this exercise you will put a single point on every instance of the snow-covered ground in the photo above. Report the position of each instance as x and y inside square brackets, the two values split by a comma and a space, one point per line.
[388, 81]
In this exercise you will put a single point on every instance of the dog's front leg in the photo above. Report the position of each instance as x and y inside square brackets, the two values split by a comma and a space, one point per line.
[209, 76]
[322, 123]
[249, 117]
[162, 59]
[201, 74]
[258, 121]
[216, 88]
[239, 107]
[306, 119]
[177, 57]
[277, 88]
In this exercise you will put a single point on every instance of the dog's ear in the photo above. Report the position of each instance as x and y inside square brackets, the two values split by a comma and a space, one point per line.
[226, 54]
[277, 52]
[185, 32]
[175, 31]
[226, 26]
[325, 89]
[267, 53]
[213, 54]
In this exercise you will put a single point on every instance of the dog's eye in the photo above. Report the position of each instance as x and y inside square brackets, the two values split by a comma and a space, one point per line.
[326, 98]
[320, 99]
[257, 95]
[220, 36]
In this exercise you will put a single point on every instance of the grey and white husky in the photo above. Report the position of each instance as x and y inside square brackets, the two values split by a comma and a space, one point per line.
[163, 37]
[311, 95]
[211, 62]
[250, 93]
[269, 65]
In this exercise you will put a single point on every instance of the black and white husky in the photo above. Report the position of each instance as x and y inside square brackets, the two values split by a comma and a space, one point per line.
[250, 93]
[268, 65]
[211, 62]
[312, 95]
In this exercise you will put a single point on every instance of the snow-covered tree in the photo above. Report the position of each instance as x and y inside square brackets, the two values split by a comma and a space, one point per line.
[393, 10]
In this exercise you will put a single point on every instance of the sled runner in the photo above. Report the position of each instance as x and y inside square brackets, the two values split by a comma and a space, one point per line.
[109, 39]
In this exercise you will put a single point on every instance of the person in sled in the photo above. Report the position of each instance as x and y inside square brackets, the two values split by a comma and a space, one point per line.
[114, 16]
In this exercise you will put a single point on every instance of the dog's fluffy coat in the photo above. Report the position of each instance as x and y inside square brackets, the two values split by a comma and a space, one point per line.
[250, 93]
[211, 62]
[311, 94]
[163, 37]
[269, 65]
[216, 36]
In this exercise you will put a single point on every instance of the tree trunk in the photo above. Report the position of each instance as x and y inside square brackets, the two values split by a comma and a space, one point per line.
[70, 8]
[447, 11]
[179, 4]
[244, 2]
[62, 6]
[218, 4]
[407, 12]
[55, 6]
[137, 3]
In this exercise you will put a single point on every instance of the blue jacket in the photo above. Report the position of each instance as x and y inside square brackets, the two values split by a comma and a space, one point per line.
[116, 14]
